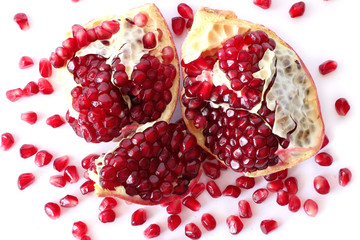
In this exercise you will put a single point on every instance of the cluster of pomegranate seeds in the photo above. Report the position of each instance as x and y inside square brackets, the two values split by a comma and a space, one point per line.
[22, 20]
[297, 9]
[25, 62]
[107, 214]
[7, 140]
[327, 67]
[342, 106]
[264, 4]
[185, 20]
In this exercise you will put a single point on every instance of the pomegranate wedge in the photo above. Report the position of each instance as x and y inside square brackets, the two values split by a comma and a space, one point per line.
[248, 97]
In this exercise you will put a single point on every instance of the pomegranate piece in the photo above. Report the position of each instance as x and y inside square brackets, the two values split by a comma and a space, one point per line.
[192, 231]
[342, 106]
[178, 25]
[152, 231]
[197, 189]
[173, 222]
[25, 62]
[45, 86]
[25, 180]
[245, 182]
[291, 185]
[107, 216]
[311, 208]
[267, 226]
[297, 9]
[7, 141]
[87, 187]
[58, 181]
[43, 158]
[22, 20]
[264, 4]
[344, 176]
[139, 217]
[191, 203]
[244, 209]
[327, 67]
[29, 117]
[55, 121]
[185, 11]
[14, 94]
[27, 150]
[213, 189]
[294, 203]
[61, 163]
[140, 20]
[45, 68]
[321, 185]
[69, 201]
[52, 210]
[260, 195]
[282, 197]
[324, 159]
[107, 203]
[71, 174]
[208, 221]
[31, 88]
[79, 229]
[234, 224]
[232, 191]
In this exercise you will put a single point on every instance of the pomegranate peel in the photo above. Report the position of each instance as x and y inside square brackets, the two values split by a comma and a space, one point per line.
[296, 124]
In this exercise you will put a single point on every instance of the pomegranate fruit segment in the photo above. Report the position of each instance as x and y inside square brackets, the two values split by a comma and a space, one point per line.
[122, 71]
[247, 97]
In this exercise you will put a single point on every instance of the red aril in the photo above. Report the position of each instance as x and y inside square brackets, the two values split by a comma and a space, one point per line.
[69, 201]
[173, 222]
[342, 106]
[260, 195]
[45, 68]
[208, 221]
[87, 187]
[191, 203]
[58, 181]
[192, 231]
[139, 217]
[244, 209]
[245, 182]
[29, 117]
[321, 185]
[107, 203]
[185, 11]
[234, 224]
[197, 189]
[325, 142]
[140, 19]
[55, 121]
[107, 216]
[43, 158]
[61, 163]
[27, 150]
[297, 9]
[14, 94]
[149, 40]
[275, 186]
[344, 176]
[324, 159]
[152, 231]
[25, 180]
[22, 21]
[211, 169]
[25, 62]
[85, 237]
[71, 174]
[291, 185]
[178, 25]
[282, 197]
[311, 208]
[7, 140]
[52, 210]
[45, 86]
[30, 89]
[264, 4]
[175, 206]
[327, 67]
[267, 226]
[294, 203]
[232, 191]
[79, 229]
[213, 189]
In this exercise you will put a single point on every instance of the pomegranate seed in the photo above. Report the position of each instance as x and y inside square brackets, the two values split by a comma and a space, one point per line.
[267, 226]
[58, 181]
[197, 189]
[208, 221]
[291, 185]
[294, 203]
[260, 195]
[342, 106]
[213, 189]
[149, 40]
[27, 150]
[69, 201]
[311, 208]
[264, 4]
[55, 121]
[139, 217]
[178, 25]
[282, 197]
[344, 176]
[79, 229]
[71, 174]
[7, 140]
[14, 94]
[244, 209]
[173, 222]
[107, 203]
[22, 20]
[325, 142]
[140, 20]
[60, 163]
[111, 26]
[29, 117]
[56, 60]
[234, 223]
[245, 182]
[30, 89]
[321, 185]
[275, 186]
[45, 68]
[43, 158]
[327, 67]
[167, 54]
[324, 159]
[45, 86]
[152, 231]
[212, 170]
[25, 62]
[52, 210]
[297, 9]
[25, 180]
[85, 237]
[87, 187]
[191, 203]
[185, 11]
[192, 231]
[107, 216]
[174, 207]
[232, 191]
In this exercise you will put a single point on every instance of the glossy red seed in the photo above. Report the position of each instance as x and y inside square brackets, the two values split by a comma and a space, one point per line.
[71, 174]
[211, 169]
[197, 189]
[297, 9]
[275, 186]
[234, 224]
[29, 117]
[22, 20]
[58, 181]
[112, 26]
[208, 221]
[140, 20]
[173, 222]
[52, 210]
[321, 185]
[191, 203]
[27, 150]
[87, 187]
[245, 182]
[244, 209]
[107, 203]
[25, 62]
[69, 201]
[149, 40]
[294, 203]
[86, 237]
[14, 94]
[43, 158]
[107, 216]
[264, 4]
[25, 180]
[60, 163]
[342, 106]
[311, 208]
[55, 121]
[291, 185]
[139, 217]
[213, 189]
[45, 68]
[260, 195]
[282, 197]
[79, 229]
[152, 231]
[325, 142]
[324, 159]
[45, 86]
[232, 191]
[344, 176]
[192, 231]
[7, 141]
[185, 11]
[178, 25]
[167, 54]
[327, 67]
[30, 89]
[267, 226]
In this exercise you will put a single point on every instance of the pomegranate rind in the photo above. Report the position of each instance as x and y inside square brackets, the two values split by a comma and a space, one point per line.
[213, 27]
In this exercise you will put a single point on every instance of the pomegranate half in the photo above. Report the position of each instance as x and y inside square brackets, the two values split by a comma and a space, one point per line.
[247, 96]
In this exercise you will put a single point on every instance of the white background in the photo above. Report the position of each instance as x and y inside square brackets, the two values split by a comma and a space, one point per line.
[328, 30]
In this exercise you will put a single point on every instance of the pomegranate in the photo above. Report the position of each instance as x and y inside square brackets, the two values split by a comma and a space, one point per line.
[234, 99]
